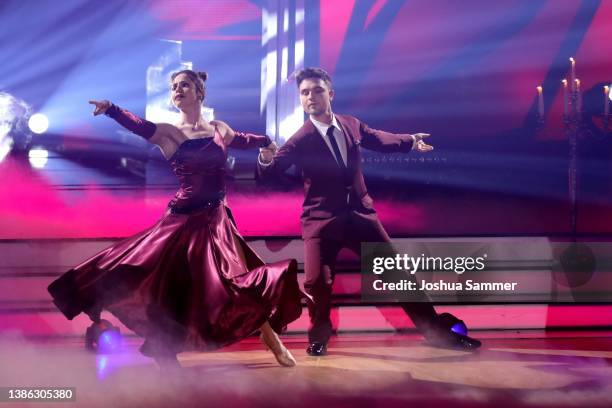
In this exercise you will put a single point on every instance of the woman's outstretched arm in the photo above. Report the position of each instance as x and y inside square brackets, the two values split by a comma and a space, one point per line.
[125, 118]
[164, 135]
[240, 140]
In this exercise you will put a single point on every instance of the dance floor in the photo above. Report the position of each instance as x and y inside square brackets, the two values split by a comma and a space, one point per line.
[519, 369]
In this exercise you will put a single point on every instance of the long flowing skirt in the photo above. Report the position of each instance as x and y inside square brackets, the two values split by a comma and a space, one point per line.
[190, 282]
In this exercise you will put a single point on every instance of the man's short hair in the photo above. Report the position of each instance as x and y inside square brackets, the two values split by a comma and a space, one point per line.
[313, 72]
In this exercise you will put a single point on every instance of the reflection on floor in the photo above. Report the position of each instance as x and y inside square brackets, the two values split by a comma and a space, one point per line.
[533, 369]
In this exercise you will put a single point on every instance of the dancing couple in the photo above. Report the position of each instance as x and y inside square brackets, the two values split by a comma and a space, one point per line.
[191, 282]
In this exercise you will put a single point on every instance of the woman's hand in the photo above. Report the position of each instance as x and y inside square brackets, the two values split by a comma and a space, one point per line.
[267, 153]
[420, 145]
[101, 106]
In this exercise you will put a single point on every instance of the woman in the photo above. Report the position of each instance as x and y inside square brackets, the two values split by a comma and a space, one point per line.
[190, 282]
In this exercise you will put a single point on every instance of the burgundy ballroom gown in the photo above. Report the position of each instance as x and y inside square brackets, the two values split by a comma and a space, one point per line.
[182, 284]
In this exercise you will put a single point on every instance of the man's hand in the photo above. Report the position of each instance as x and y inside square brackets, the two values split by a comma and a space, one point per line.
[101, 106]
[267, 153]
[419, 144]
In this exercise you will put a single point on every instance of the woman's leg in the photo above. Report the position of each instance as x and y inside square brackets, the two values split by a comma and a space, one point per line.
[268, 336]
[274, 343]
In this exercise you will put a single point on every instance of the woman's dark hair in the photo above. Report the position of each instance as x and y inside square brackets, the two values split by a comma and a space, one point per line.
[197, 77]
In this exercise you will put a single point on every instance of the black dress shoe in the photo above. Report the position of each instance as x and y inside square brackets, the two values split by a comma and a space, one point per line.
[317, 349]
[466, 342]
[456, 341]
[450, 332]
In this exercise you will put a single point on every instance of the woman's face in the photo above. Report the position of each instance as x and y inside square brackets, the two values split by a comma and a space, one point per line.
[184, 92]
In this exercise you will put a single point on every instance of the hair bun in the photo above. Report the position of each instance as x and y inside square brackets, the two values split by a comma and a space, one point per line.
[203, 75]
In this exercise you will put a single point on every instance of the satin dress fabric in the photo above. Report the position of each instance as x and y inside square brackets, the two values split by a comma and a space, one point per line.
[189, 282]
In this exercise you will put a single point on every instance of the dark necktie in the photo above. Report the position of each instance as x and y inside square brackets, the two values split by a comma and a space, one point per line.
[345, 173]
[335, 148]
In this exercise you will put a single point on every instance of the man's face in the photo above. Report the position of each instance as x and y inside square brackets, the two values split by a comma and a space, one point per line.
[316, 96]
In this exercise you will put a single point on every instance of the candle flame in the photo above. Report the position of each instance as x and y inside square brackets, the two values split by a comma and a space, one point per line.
[564, 82]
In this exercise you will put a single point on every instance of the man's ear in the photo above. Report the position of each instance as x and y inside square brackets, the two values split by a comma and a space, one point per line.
[331, 94]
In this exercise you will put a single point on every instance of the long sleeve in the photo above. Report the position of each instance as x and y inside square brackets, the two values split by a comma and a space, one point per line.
[385, 142]
[131, 122]
[249, 141]
[284, 158]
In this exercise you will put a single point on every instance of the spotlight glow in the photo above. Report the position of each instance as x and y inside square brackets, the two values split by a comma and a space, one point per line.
[6, 144]
[102, 366]
[460, 328]
[109, 342]
[38, 123]
[14, 132]
[38, 157]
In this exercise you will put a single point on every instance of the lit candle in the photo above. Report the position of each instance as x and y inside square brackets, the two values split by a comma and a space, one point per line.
[564, 82]
[578, 96]
[540, 101]
[606, 100]
[573, 72]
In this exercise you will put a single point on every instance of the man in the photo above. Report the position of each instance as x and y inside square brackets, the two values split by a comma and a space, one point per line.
[338, 211]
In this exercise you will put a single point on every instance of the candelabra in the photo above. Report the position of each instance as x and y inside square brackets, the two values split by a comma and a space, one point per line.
[575, 128]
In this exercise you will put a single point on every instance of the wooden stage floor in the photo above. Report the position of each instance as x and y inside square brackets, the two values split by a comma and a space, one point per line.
[518, 369]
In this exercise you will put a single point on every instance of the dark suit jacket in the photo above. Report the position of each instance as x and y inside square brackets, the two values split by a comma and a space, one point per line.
[331, 196]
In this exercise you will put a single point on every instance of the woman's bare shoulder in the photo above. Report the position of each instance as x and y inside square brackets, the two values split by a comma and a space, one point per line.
[220, 125]
[168, 129]
[167, 137]
[226, 132]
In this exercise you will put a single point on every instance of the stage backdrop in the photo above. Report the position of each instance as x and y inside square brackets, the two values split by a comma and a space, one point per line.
[466, 72]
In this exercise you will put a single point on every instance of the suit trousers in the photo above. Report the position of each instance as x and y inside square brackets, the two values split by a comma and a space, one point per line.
[320, 261]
